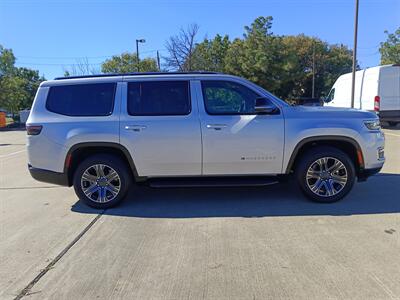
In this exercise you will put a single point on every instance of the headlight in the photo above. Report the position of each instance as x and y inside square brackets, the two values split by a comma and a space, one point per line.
[373, 124]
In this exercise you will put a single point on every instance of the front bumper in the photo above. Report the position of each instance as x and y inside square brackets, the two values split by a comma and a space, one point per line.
[365, 173]
[49, 176]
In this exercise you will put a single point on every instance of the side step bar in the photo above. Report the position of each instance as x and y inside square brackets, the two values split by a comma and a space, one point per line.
[212, 181]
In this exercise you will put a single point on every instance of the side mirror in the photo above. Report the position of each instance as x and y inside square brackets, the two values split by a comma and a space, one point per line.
[264, 106]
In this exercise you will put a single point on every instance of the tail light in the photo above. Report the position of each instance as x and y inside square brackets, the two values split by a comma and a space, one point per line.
[377, 103]
[33, 129]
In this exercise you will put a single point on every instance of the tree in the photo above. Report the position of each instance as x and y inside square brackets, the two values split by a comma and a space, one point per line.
[7, 60]
[283, 64]
[280, 64]
[180, 49]
[258, 56]
[18, 86]
[13, 93]
[390, 49]
[81, 67]
[127, 62]
[330, 62]
[31, 81]
[209, 55]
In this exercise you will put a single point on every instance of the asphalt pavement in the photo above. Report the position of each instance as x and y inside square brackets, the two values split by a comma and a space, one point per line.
[219, 243]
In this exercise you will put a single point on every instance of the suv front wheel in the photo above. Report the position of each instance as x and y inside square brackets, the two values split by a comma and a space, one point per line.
[325, 174]
[101, 181]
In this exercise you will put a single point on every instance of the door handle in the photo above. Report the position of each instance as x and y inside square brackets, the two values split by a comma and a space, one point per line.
[135, 127]
[216, 126]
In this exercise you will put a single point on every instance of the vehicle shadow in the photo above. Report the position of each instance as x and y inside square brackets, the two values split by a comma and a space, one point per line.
[380, 194]
[13, 128]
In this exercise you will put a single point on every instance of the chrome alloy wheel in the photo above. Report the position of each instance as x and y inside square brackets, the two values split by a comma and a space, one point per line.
[100, 183]
[326, 176]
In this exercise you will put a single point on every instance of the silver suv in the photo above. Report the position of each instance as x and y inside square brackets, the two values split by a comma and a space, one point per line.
[104, 133]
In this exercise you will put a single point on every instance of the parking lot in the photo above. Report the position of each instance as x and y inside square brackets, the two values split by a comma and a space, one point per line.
[226, 243]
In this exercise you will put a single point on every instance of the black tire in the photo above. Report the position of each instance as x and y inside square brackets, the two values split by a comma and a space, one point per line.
[309, 160]
[392, 123]
[110, 162]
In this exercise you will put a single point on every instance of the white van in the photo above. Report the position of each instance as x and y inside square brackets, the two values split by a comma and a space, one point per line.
[376, 89]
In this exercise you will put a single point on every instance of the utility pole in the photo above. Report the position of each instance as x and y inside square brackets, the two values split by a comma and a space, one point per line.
[137, 52]
[137, 55]
[353, 81]
[313, 72]
[158, 61]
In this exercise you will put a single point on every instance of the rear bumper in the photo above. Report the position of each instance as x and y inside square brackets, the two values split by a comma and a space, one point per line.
[390, 115]
[49, 176]
[365, 173]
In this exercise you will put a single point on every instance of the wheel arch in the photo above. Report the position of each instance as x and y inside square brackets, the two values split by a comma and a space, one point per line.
[348, 145]
[81, 151]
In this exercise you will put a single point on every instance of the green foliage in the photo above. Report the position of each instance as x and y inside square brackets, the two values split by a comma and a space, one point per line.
[390, 49]
[297, 61]
[209, 55]
[7, 60]
[18, 86]
[258, 56]
[127, 62]
[260, 27]
[13, 93]
[31, 81]
[280, 64]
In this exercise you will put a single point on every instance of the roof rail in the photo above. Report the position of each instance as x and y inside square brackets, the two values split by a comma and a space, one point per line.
[135, 74]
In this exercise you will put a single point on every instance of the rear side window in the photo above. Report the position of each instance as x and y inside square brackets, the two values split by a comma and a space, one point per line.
[158, 98]
[82, 99]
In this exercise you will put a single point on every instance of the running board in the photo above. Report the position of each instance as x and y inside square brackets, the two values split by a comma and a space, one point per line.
[212, 181]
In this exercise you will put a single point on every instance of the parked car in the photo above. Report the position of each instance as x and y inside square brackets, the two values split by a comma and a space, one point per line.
[376, 89]
[103, 134]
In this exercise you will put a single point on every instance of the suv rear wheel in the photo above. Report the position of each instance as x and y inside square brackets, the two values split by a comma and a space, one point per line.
[101, 181]
[325, 174]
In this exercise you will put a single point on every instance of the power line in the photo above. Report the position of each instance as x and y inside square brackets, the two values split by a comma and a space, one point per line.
[371, 47]
[370, 54]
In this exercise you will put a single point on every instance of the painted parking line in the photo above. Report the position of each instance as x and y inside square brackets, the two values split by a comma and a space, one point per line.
[11, 154]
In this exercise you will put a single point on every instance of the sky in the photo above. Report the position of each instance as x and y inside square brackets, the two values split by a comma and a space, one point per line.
[50, 36]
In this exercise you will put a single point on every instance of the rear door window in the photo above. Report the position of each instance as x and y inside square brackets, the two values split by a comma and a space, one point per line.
[158, 98]
[82, 99]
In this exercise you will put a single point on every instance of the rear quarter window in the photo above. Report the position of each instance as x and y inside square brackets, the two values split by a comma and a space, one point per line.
[159, 98]
[81, 100]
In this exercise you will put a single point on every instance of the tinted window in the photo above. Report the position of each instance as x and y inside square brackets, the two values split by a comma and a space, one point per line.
[155, 98]
[82, 99]
[228, 98]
